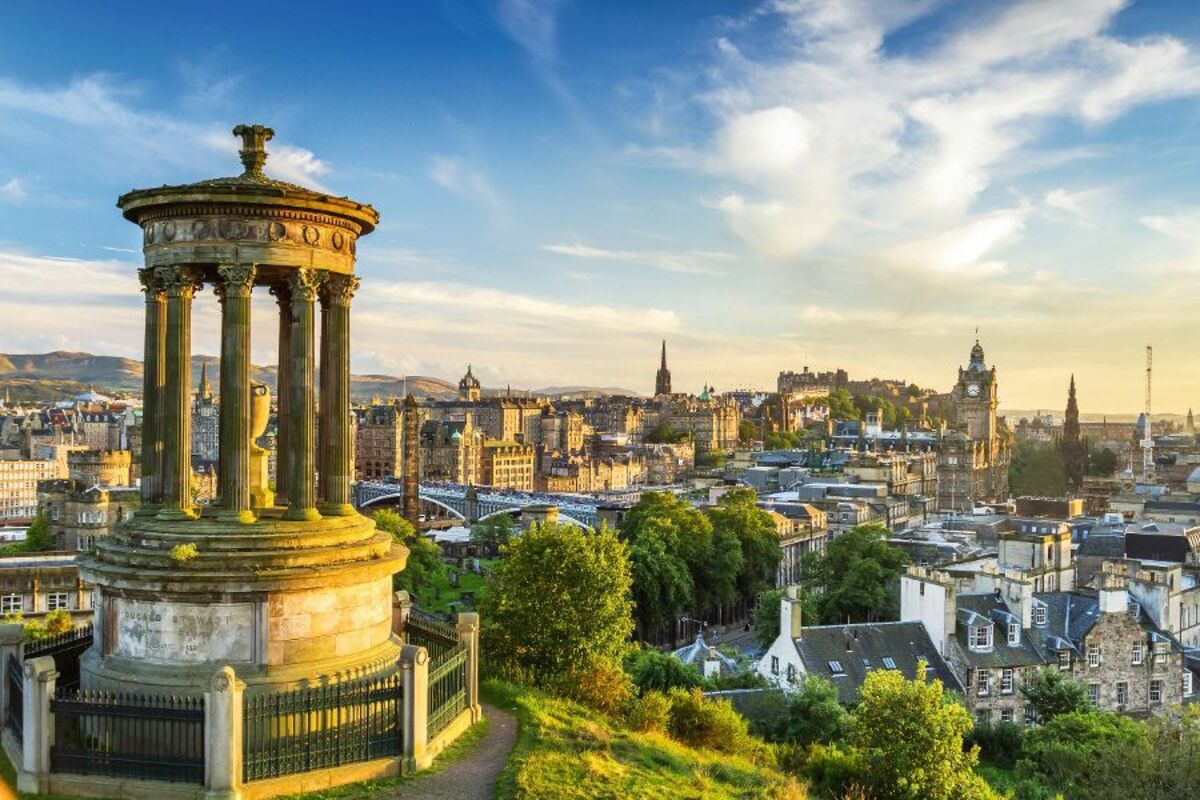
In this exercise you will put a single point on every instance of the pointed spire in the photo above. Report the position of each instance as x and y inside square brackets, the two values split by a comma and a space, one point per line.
[664, 354]
[205, 392]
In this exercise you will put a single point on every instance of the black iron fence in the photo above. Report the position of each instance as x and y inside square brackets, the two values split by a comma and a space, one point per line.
[447, 688]
[322, 726]
[435, 636]
[15, 680]
[66, 649]
[149, 737]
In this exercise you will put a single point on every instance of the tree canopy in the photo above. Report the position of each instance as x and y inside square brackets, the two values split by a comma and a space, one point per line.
[1052, 692]
[854, 578]
[1037, 470]
[495, 530]
[738, 515]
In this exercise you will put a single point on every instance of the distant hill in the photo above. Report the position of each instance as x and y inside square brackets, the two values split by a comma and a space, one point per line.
[582, 392]
[44, 377]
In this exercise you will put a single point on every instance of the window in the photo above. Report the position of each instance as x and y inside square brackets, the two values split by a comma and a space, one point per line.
[1138, 653]
[981, 637]
[1187, 683]
[1160, 652]
[1006, 715]
[1094, 693]
[1122, 693]
[1030, 715]
[1156, 694]
[983, 716]
[836, 667]
[922, 585]
[1006, 681]
[889, 663]
[57, 600]
[1039, 615]
[10, 603]
[791, 672]
[1064, 659]
[982, 678]
[1093, 655]
[774, 665]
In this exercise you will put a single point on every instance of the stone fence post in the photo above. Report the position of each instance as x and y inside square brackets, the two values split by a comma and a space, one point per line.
[414, 661]
[11, 636]
[468, 634]
[223, 736]
[401, 607]
[37, 725]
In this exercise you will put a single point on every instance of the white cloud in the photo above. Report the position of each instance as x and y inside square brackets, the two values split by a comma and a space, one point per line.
[694, 262]
[12, 190]
[1074, 203]
[531, 24]
[457, 176]
[962, 251]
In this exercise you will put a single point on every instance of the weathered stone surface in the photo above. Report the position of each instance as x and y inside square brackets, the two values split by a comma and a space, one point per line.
[188, 632]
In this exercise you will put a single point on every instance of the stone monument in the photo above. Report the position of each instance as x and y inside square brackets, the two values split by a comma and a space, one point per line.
[288, 589]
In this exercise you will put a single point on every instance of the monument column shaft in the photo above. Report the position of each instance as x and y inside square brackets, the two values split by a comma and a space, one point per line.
[302, 483]
[234, 289]
[283, 438]
[152, 387]
[176, 414]
[323, 406]
[335, 406]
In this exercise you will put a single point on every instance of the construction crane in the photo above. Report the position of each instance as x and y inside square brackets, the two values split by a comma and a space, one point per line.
[1147, 434]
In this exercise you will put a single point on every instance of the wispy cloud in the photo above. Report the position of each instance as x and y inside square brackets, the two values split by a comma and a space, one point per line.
[532, 24]
[12, 190]
[455, 175]
[693, 262]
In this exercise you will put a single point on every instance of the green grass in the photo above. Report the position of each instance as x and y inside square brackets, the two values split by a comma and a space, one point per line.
[8, 774]
[566, 751]
[439, 595]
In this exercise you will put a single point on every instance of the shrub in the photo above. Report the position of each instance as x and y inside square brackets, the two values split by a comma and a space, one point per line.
[650, 713]
[601, 688]
[714, 724]
[52, 624]
[832, 770]
[655, 671]
[999, 743]
[184, 552]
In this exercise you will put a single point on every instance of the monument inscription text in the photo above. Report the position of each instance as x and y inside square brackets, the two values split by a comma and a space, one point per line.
[190, 632]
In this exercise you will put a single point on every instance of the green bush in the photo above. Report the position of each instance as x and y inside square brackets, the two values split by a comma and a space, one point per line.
[999, 743]
[650, 713]
[601, 688]
[655, 671]
[713, 724]
[832, 770]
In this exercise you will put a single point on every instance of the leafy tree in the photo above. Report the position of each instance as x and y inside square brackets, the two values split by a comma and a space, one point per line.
[747, 431]
[391, 522]
[655, 671]
[782, 440]
[767, 611]
[909, 735]
[665, 434]
[813, 715]
[1051, 692]
[1077, 753]
[424, 556]
[737, 513]
[854, 577]
[1037, 469]
[913, 391]
[38, 537]
[557, 604]
[841, 405]
[495, 530]
[1102, 463]
[662, 582]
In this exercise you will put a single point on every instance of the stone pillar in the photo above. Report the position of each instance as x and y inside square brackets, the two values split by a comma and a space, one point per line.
[37, 730]
[302, 485]
[180, 284]
[411, 465]
[414, 661]
[223, 736]
[11, 636]
[401, 607]
[336, 435]
[234, 289]
[468, 635]
[323, 459]
[283, 438]
[154, 352]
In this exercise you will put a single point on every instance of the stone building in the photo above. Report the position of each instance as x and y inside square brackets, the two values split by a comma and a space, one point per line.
[451, 451]
[205, 417]
[79, 514]
[1074, 451]
[803, 528]
[469, 388]
[19, 488]
[662, 378]
[34, 584]
[973, 459]
[379, 441]
[508, 465]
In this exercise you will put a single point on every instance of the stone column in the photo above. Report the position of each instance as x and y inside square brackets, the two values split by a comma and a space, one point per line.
[337, 470]
[180, 284]
[468, 635]
[37, 730]
[411, 464]
[302, 485]
[223, 732]
[234, 288]
[401, 608]
[283, 438]
[414, 661]
[152, 387]
[323, 402]
[12, 634]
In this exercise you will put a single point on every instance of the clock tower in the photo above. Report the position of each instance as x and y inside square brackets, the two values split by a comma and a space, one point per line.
[976, 398]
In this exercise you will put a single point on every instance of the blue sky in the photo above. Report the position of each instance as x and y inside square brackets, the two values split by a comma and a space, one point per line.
[562, 184]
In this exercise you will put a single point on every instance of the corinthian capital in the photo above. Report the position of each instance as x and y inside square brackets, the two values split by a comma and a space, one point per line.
[151, 284]
[237, 280]
[179, 281]
[303, 284]
[338, 290]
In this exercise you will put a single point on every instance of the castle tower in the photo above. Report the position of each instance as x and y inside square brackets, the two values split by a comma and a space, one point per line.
[293, 593]
[469, 387]
[662, 378]
[1074, 454]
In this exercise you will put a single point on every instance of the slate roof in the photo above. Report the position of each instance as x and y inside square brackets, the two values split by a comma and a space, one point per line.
[973, 608]
[858, 649]
[1103, 546]
[698, 652]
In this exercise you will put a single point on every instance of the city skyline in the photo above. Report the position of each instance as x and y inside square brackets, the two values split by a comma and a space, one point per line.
[563, 185]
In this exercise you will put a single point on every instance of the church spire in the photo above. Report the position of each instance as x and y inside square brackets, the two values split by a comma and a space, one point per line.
[662, 379]
[205, 392]
[1074, 452]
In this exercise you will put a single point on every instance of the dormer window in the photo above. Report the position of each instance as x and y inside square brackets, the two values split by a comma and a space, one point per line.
[981, 637]
[1014, 634]
[1039, 615]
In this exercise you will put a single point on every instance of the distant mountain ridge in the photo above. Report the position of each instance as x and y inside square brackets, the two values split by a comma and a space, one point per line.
[43, 377]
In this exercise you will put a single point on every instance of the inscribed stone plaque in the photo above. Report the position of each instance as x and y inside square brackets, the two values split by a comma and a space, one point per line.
[189, 632]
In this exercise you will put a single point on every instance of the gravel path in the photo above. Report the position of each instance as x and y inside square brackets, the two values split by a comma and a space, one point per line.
[472, 777]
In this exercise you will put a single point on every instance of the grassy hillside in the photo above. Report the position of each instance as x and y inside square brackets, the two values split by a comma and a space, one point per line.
[566, 751]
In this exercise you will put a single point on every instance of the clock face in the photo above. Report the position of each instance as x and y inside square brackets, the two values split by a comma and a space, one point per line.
[973, 389]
